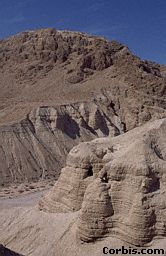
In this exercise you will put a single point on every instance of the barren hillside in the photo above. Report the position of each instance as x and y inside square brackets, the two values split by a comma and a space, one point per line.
[59, 88]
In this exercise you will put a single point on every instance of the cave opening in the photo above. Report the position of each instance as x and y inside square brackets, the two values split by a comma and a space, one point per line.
[105, 178]
[155, 185]
[90, 171]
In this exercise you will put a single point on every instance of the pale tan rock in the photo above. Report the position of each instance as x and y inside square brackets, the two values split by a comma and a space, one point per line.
[125, 197]
[69, 191]
[95, 217]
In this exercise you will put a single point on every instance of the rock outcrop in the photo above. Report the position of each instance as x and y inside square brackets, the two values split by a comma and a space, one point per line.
[36, 147]
[97, 209]
[118, 184]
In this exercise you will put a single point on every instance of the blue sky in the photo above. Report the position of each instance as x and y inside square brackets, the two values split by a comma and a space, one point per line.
[140, 24]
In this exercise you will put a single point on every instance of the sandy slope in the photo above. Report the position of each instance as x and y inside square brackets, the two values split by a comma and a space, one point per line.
[25, 229]
[22, 201]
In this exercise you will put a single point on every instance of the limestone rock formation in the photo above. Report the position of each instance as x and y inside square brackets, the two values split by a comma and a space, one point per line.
[118, 184]
[97, 209]
[36, 147]
[75, 177]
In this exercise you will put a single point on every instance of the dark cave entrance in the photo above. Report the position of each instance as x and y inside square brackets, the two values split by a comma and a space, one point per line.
[90, 171]
[104, 178]
[155, 185]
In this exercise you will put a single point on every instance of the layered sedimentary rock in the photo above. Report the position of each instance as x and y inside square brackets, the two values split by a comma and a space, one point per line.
[118, 184]
[36, 147]
[75, 177]
[97, 209]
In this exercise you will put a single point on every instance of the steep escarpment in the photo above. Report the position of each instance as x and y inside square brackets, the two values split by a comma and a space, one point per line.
[117, 184]
[36, 147]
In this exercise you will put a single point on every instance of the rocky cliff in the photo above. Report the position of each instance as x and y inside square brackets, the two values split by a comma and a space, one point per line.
[36, 147]
[118, 184]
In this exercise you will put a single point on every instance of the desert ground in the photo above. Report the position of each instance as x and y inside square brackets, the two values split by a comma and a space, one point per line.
[27, 230]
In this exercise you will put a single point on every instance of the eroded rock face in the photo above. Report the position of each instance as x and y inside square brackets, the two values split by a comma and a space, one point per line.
[125, 193]
[97, 209]
[40, 51]
[36, 148]
[68, 194]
